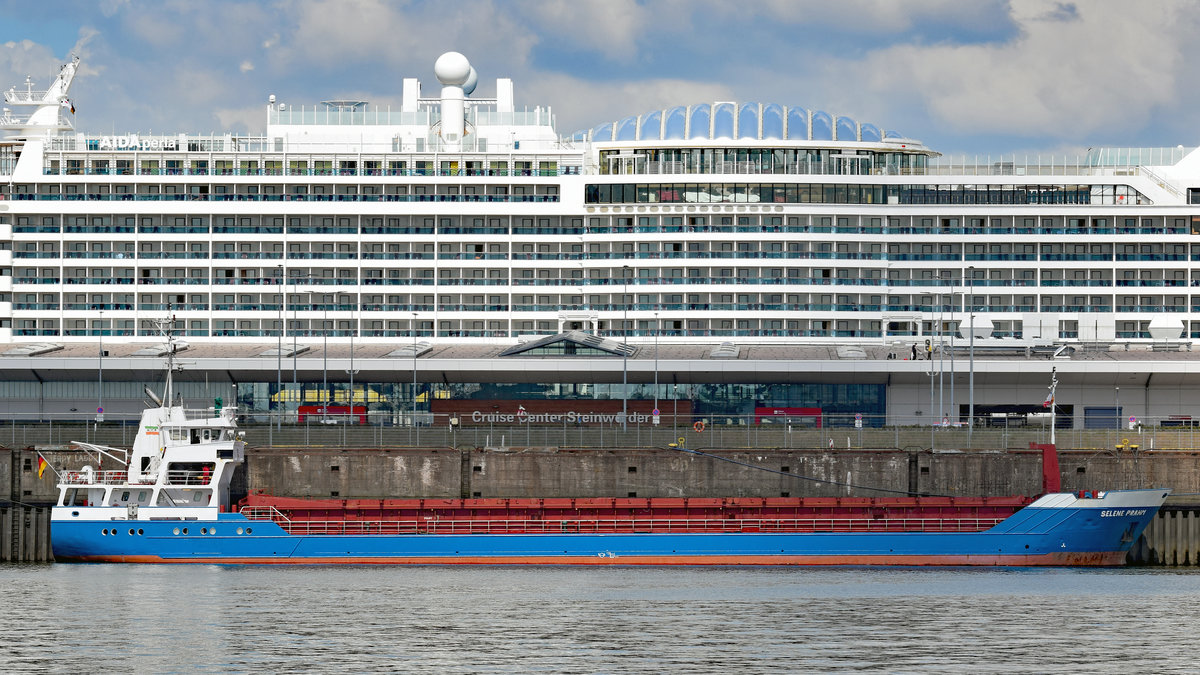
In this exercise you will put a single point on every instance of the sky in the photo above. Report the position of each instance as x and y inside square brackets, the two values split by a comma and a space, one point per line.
[975, 77]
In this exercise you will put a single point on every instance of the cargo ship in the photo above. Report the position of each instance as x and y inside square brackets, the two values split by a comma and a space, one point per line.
[169, 501]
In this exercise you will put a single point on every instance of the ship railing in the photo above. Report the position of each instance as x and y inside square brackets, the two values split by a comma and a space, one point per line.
[116, 477]
[185, 477]
[617, 525]
[266, 513]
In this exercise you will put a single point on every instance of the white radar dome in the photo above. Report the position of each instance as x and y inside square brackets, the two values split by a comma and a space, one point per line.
[452, 68]
[472, 80]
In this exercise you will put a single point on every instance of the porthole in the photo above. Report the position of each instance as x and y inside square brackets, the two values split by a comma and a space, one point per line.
[141, 532]
[74, 514]
[212, 530]
[204, 530]
[248, 530]
[175, 531]
[131, 531]
[239, 530]
[104, 533]
[185, 530]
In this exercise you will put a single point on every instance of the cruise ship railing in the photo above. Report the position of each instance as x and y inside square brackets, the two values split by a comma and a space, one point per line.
[1160, 181]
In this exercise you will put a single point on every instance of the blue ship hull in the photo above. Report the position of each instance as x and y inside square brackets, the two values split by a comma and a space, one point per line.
[1099, 534]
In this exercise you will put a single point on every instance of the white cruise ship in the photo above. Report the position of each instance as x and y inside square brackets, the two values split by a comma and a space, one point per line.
[460, 219]
[470, 218]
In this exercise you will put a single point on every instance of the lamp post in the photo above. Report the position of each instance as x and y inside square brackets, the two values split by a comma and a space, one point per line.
[325, 362]
[279, 350]
[625, 352]
[656, 331]
[675, 412]
[955, 308]
[971, 377]
[414, 388]
[353, 331]
[941, 344]
[100, 375]
[295, 346]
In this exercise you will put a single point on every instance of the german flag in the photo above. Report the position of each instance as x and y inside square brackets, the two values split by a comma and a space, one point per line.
[42, 464]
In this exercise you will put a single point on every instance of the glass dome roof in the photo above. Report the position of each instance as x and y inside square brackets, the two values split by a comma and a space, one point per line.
[727, 120]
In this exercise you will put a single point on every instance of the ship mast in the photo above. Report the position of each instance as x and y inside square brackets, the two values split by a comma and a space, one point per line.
[1053, 386]
[165, 327]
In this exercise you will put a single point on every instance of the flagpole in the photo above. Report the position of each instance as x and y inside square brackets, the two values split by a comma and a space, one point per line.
[49, 466]
[1053, 406]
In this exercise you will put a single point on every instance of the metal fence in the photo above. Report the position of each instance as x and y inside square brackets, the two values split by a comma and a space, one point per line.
[693, 431]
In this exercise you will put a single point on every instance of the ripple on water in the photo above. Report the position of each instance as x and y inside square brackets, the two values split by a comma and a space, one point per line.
[77, 618]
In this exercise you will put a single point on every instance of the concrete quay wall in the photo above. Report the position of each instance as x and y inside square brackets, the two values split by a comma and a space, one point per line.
[654, 472]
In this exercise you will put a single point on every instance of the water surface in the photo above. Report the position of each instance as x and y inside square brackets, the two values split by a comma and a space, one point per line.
[147, 618]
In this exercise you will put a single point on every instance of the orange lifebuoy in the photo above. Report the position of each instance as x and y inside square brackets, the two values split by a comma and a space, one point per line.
[698, 426]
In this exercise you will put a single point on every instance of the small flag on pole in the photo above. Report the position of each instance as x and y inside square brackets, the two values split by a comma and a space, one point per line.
[1049, 400]
[42, 464]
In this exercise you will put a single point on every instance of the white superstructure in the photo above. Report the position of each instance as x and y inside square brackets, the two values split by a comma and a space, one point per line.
[459, 218]
[179, 468]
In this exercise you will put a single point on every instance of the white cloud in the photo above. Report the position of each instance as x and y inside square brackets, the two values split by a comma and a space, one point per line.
[1067, 73]
[160, 29]
[328, 34]
[249, 118]
[1049, 73]
[27, 58]
[111, 7]
[609, 27]
[851, 16]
